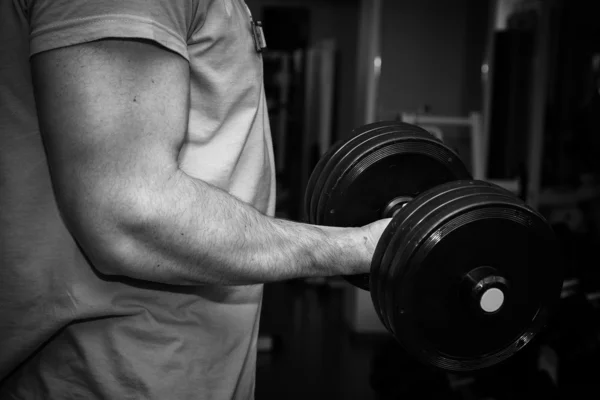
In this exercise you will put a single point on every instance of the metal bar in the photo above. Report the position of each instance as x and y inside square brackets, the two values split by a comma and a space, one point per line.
[374, 60]
[412, 118]
[369, 62]
[487, 78]
[538, 105]
[477, 147]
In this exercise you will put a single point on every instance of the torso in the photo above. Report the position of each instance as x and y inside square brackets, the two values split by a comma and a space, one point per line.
[65, 328]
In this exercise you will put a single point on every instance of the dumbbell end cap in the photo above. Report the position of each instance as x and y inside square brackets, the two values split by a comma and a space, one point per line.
[491, 300]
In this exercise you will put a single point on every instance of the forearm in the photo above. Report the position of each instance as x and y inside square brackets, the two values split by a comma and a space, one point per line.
[194, 233]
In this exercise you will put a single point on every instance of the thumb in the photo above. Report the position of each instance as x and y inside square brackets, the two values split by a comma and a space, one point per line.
[374, 231]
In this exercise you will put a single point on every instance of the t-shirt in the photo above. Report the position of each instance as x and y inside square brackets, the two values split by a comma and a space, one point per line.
[67, 332]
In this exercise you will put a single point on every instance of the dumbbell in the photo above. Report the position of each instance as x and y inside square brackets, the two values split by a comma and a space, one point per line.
[466, 273]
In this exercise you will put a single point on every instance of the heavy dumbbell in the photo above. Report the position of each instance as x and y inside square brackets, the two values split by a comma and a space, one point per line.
[465, 274]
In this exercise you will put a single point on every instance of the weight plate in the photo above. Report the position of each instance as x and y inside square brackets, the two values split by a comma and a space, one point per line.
[354, 153]
[427, 207]
[392, 162]
[328, 161]
[396, 162]
[439, 315]
[377, 277]
[314, 176]
[454, 194]
[362, 134]
[408, 218]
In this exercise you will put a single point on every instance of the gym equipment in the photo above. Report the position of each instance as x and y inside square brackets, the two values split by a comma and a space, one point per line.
[371, 175]
[465, 274]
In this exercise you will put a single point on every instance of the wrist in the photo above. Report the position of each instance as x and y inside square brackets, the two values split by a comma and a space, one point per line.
[350, 255]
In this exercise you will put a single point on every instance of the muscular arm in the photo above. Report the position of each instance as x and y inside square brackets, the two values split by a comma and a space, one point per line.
[113, 115]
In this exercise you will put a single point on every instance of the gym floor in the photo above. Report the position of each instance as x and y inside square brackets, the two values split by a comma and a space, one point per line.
[315, 356]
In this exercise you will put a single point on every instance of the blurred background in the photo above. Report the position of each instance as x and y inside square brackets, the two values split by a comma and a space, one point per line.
[514, 87]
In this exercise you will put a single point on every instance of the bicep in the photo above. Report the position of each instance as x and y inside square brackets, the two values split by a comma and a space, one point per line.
[113, 115]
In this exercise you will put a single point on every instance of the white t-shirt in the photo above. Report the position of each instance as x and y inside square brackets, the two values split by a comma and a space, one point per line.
[65, 330]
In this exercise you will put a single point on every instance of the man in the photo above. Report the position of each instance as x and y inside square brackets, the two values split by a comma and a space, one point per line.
[136, 201]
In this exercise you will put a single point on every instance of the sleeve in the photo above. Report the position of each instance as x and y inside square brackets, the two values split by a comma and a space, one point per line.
[60, 23]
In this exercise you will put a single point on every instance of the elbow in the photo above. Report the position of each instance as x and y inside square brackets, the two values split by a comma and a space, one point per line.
[111, 251]
[106, 235]
[113, 256]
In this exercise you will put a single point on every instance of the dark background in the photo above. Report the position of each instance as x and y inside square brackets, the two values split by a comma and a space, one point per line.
[436, 57]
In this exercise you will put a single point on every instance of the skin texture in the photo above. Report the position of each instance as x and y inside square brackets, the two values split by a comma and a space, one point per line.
[113, 115]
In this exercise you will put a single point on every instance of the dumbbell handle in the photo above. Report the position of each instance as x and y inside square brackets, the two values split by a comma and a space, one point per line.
[395, 205]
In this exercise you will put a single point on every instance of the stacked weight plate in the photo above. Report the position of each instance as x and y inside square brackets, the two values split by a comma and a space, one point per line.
[420, 284]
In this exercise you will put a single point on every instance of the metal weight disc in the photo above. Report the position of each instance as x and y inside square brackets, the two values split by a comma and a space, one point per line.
[314, 177]
[463, 360]
[377, 278]
[472, 281]
[395, 234]
[327, 162]
[377, 175]
[430, 207]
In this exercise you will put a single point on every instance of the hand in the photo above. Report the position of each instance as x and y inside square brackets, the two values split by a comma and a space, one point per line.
[372, 233]
[367, 236]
